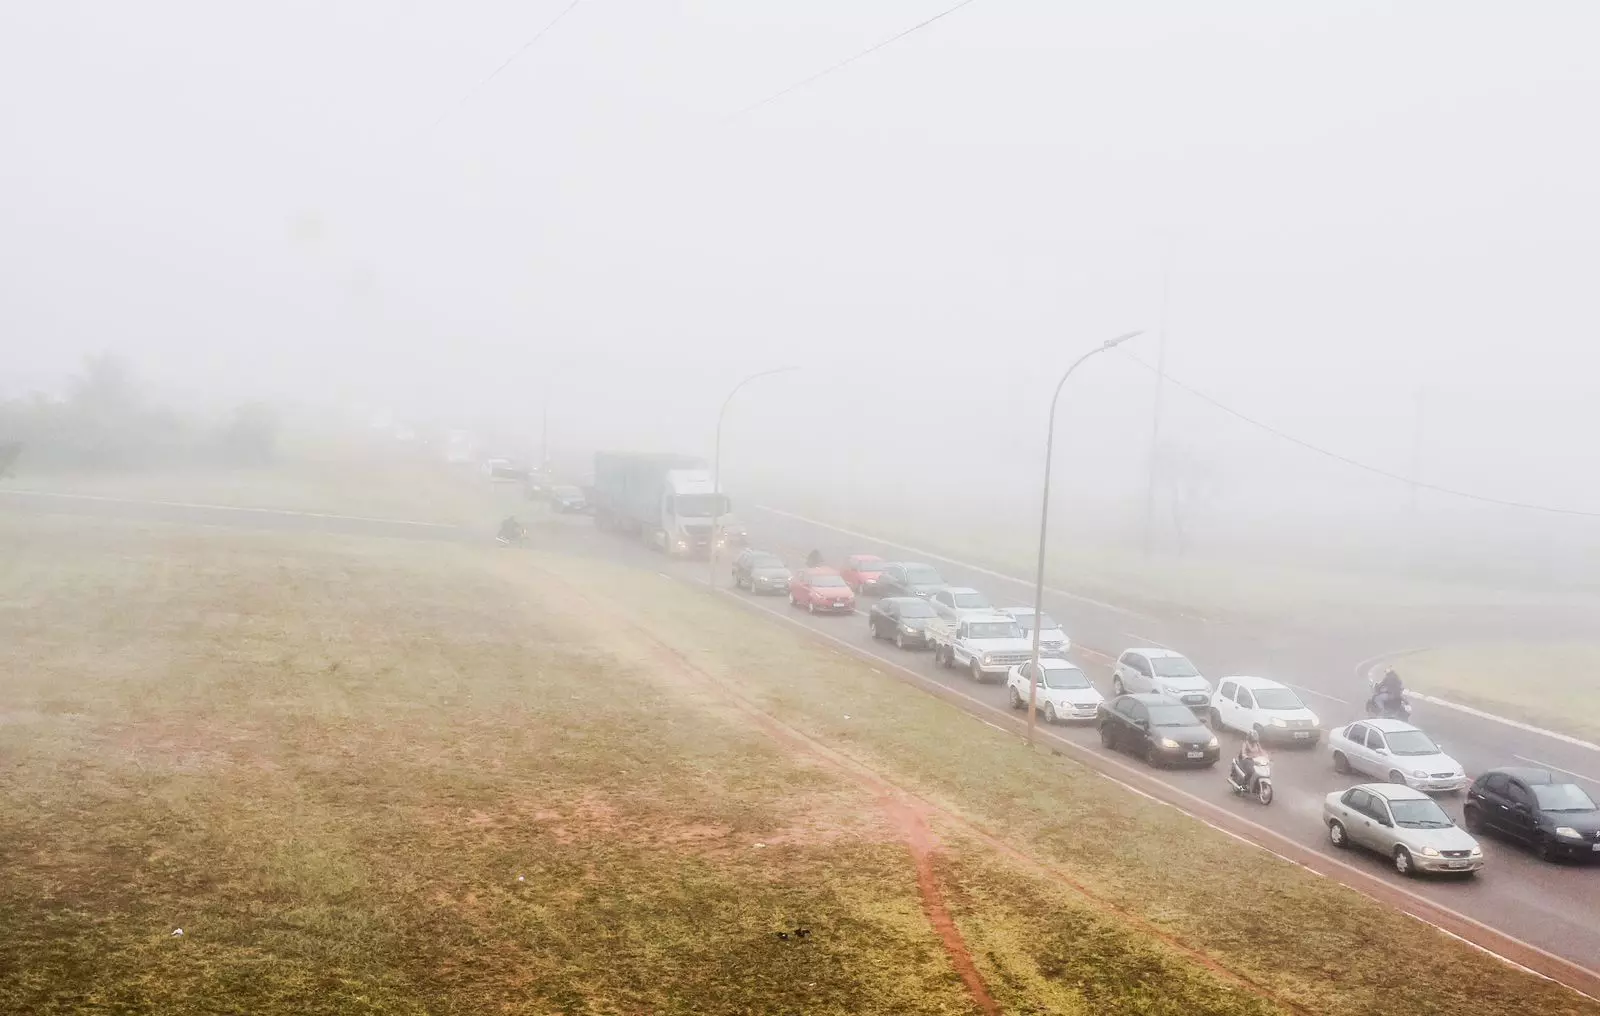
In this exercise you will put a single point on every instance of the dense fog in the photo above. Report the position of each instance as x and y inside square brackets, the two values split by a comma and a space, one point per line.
[1367, 228]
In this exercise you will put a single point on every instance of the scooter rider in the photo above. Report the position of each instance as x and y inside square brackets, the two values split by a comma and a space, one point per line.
[511, 530]
[1244, 763]
[814, 559]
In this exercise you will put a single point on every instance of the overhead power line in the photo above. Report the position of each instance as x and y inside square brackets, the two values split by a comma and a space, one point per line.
[847, 61]
[475, 89]
[1358, 464]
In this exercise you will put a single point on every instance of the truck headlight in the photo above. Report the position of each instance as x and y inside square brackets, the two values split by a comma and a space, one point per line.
[988, 658]
[908, 629]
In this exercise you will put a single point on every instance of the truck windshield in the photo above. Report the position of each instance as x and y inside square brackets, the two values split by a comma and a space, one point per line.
[971, 600]
[699, 506]
[993, 630]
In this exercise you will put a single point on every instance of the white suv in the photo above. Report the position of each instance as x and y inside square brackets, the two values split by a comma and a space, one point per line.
[1161, 671]
[1275, 711]
[956, 602]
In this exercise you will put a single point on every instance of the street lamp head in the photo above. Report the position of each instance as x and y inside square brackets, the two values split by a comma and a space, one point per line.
[1119, 340]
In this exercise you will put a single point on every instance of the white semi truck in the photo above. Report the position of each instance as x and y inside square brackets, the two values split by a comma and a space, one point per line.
[667, 501]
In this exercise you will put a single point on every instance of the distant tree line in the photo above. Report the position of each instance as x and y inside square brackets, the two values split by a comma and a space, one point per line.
[105, 421]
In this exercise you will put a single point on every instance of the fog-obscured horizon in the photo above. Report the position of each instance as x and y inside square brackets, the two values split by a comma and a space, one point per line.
[1374, 229]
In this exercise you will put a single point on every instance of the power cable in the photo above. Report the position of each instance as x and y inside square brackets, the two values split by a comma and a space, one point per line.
[1356, 463]
[846, 61]
[475, 89]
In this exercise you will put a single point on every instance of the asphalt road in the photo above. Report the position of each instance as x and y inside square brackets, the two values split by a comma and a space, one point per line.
[1552, 907]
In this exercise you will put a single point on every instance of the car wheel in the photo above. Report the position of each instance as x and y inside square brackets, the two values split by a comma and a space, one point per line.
[1547, 848]
[1050, 713]
[1216, 719]
[1403, 862]
[944, 658]
[1108, 737]
[1014, 698]
[1149, 754]
[1337, 836]
[1116, 686]
[1472, 820]
[899, 640]
[1340, 763]
[977, 672]
[1395, 776]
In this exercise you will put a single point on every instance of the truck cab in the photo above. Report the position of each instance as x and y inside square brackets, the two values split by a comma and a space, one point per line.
[690, 507]
[986, 645]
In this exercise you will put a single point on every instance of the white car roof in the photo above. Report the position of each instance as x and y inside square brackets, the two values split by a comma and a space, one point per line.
[1156, 654]
[1256, 682]
[1388, 726]
[1394, 792]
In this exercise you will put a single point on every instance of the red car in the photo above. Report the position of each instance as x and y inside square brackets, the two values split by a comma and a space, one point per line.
[861, 571]
[821, 589]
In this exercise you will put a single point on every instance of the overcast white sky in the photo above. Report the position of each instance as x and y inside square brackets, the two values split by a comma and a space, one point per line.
[1354, 201]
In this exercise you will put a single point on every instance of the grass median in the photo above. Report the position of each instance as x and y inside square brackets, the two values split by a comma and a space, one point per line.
[378, 777]
[1497, 677]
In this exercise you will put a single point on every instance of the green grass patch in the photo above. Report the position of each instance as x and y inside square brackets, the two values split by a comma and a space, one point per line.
[1496, 677]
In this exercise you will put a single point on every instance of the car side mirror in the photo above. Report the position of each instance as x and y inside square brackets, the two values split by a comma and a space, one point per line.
[1381, 751]
[1142, 724]
[1521, 808]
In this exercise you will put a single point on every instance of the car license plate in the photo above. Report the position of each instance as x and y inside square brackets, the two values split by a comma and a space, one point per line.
[1301, 734]
[1197, 754]
[1457, 865]
[1597, 846]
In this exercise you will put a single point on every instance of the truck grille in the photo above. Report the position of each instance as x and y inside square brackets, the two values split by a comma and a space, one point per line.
[1008, 659]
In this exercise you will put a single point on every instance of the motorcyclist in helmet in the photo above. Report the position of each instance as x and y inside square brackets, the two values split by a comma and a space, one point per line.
[1389, 694]
[511, 530]
[1244, 763]
[814, 559]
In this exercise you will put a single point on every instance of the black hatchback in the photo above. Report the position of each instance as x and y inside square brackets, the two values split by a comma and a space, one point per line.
[1557, 819]
[1157, 729]
[903, 619]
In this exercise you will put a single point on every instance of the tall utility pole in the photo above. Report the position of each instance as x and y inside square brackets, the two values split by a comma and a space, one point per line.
[1416, 447]
[1155, 420]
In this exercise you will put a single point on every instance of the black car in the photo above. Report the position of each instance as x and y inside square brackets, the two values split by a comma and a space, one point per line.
[1158, 730]
[760, 571]
[568, 500]
[1557, 819]
[902, 618]
[907, 578]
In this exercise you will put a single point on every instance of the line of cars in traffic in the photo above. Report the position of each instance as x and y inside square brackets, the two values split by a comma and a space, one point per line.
[1166, 712]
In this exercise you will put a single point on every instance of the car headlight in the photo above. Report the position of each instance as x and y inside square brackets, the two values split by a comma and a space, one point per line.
[1568, 831]
[1212, 743]
[1167, 742]
[1278, 721]
[1430, 851]
[1419, 774]
[1477, 851]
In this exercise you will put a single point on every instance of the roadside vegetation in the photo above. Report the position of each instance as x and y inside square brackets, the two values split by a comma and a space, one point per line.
[1491, 677]
[385, 777]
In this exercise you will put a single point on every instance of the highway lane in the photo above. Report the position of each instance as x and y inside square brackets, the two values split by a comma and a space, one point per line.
[1547, 906]
[1550, 906]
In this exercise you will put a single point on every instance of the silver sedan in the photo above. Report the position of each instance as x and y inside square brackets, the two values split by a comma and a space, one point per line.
[1403, 824]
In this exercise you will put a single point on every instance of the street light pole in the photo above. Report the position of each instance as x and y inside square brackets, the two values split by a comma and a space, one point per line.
[1044, 523]
[716, 472]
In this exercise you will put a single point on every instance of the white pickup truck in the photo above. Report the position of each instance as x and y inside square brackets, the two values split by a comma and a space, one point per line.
[987, 645]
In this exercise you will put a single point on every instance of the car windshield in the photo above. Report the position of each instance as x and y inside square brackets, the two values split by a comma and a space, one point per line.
[1171, 716]
[975, 600]
[1174, 666]
[1419, 815]
[993, 630]
[826, 582]
[922, 575]
[1026, 619]
[915, 608]
[1065, 678]
[1562, 797]
[1410, 742]
[699, 506]
[1277, 698]
[766, 561]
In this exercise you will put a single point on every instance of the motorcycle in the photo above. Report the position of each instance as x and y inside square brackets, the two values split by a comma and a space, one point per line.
[1260, 783]
[1388, 711]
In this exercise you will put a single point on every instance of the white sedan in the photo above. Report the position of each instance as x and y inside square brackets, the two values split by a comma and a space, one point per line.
[1064, 691]
[1395, 751]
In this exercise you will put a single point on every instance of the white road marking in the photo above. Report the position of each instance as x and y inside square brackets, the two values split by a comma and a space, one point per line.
[931, 555]
[1366, 667]
[1261, 831]
[1320, 694]
[1552, 765]
[229, 508]
[1148, 643]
